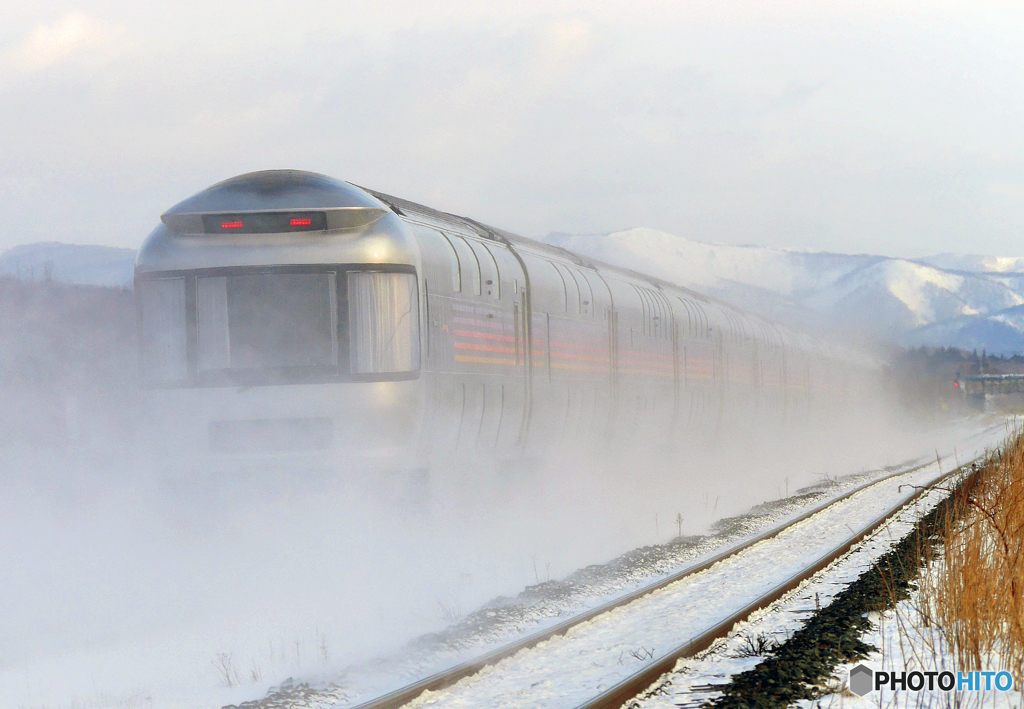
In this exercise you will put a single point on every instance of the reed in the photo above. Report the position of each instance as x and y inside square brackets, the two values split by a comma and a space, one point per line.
[976, 594]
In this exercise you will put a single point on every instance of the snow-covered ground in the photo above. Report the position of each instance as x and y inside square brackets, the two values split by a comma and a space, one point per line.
[107, 610]
[905, 643]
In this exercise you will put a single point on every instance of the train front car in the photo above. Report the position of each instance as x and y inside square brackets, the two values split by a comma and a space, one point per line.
[279, 319]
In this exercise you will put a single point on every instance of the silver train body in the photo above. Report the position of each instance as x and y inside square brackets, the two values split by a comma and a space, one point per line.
[287, 313]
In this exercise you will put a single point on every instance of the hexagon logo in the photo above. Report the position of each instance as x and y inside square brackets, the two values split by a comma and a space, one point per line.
[862, 678]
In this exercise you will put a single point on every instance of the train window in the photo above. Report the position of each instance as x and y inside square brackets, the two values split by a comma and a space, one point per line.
[488, 269]
[496, 292]
[657, 317]
[646, 310]
[692, 318]
[643, 308]
[665, 322]
[586, 292]
[572, 290]
[468, 261]
[267, 321]
[456, 266]
[689, 319]
[659, 324]
[655, 314]
[565, 289]
[580, 290]
[651, 315]
[162, 315]
[597, 289]
[383, 322]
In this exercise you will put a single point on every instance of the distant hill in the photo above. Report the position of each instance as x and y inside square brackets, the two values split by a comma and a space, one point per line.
[70, 263]
[947, 300]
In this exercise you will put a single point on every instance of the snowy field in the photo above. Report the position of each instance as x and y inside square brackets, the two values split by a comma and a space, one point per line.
[121, 593]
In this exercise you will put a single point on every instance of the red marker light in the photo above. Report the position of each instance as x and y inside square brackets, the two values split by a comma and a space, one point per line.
[301, 222]
[956, 385]
[231, 225]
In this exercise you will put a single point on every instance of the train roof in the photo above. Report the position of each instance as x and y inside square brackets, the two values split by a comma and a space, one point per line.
[408, 209]
[412, 210]
[344, 204]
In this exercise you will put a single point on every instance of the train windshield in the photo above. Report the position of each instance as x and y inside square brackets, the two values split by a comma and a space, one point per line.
[267, 320]
[249, 326]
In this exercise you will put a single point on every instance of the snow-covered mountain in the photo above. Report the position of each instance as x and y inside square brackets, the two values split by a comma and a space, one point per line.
[950, 300]
[70, 263]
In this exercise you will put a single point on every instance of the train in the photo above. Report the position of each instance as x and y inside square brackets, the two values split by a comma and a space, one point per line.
[285, 313]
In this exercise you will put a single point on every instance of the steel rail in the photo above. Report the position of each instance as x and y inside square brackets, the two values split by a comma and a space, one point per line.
[625, 690]
[446, 678]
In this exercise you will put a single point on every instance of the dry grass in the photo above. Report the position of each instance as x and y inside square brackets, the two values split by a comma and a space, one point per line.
[977, 594]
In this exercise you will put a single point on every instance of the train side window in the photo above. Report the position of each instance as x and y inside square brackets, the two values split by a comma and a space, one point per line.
[586, 292]
[689, 326]
[662, 326]
[488, 269]
[597, 288]
[658, 325]
[656, 316]
[383, 322]
[163, 341]
[456, 266]
[468, 260]
[648, 310]
[643, 309]
[581, 294]
[497, 270]
[647, 314]
[565, 289]
[572, 290]
[689, 316]
[666, 324]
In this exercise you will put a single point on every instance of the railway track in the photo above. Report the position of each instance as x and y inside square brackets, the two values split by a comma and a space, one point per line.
[627, 689]
[654, 664]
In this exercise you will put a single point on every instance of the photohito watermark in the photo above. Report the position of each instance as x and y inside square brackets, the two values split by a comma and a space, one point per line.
[864, 680]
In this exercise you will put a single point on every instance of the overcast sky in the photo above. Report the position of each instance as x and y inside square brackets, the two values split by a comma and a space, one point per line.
[889, 127]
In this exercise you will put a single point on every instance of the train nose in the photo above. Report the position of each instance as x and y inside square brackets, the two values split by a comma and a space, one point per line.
[351, 423]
